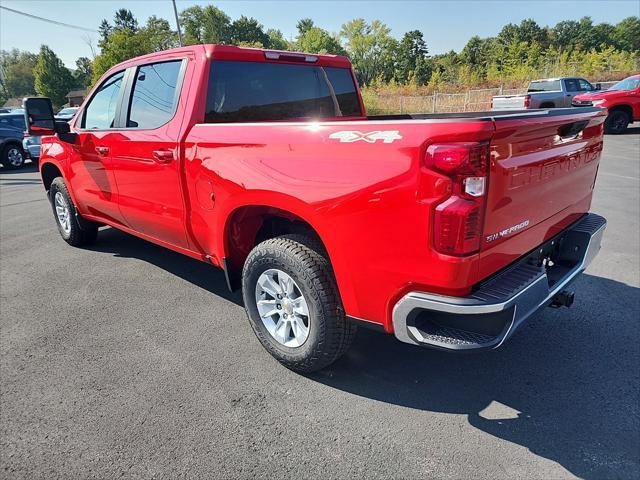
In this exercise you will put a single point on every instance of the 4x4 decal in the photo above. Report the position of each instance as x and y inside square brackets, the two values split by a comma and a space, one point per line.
[350, 136]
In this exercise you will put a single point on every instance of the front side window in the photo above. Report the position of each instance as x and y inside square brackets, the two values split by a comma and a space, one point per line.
[584, 85]
[253, 91]
[155, 94]
[100, 114]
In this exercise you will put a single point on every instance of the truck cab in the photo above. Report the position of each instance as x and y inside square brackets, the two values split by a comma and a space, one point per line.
[545, 93]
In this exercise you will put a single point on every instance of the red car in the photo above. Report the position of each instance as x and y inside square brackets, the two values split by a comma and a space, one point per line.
[622, 100]
[448, 231]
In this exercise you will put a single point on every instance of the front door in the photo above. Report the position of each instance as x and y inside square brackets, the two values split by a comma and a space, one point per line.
[92, 176]
[145, 152]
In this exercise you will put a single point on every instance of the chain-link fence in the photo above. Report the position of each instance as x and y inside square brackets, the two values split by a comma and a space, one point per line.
[469, 101]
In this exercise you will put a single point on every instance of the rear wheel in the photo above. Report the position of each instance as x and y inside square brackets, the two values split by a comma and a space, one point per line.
[74, 229]
[293, 304]
[12, 156]
[616, 122]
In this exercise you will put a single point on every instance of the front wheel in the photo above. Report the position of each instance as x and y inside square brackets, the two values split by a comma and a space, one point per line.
[616, 122]
[293, 304]
[74, 229]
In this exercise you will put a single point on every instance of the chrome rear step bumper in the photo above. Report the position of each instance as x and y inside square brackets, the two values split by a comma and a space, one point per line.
[500, 304]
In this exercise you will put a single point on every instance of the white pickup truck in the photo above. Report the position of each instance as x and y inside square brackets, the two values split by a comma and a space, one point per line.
[545, 93]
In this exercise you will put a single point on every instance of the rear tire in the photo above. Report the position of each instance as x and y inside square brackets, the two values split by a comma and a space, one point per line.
[12, 157]
[74, 229]
[616, 122]
[323, 334]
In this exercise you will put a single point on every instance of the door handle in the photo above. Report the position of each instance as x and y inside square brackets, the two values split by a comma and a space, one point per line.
[102, 150]
[163, 156]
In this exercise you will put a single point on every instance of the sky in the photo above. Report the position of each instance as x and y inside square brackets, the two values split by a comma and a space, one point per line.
[446, 25]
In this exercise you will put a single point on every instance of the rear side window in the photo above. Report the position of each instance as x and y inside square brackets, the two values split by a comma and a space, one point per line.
[14, 121]
[252, 91]
[155, 94]
[544, 86]
[572, 85]
[100, 114]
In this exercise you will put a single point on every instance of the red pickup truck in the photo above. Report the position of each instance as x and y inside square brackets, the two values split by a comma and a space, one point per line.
[622, 100]
[448, 231]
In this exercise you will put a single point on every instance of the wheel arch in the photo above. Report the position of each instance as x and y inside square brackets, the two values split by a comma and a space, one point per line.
[625, 108]
[249, 224]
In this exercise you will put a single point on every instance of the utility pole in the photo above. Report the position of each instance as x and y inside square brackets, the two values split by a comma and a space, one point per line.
[175, 11]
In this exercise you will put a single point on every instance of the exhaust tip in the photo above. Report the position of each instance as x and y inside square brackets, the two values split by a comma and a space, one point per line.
[563, 299]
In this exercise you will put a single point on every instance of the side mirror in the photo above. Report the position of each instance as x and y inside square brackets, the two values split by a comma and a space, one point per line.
[598, 86]
[38, 116]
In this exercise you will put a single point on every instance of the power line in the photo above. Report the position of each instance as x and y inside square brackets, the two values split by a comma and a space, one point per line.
[48, 20]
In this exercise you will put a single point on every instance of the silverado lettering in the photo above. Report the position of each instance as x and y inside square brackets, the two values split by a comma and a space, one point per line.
[266, 165]
[520, 177]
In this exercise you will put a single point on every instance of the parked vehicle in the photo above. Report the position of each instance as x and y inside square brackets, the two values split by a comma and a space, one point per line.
[447, 230]
[66, 113]
[546, 93]
[622, 101]
[12, 128]
[5, 110]
[31, 146]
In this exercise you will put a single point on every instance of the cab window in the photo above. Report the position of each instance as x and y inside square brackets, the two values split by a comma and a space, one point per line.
[100, 113]
[155, 95]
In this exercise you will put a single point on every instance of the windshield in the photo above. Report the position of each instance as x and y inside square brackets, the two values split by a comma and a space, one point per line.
[544, 86]
[630, 83]
[67, 111]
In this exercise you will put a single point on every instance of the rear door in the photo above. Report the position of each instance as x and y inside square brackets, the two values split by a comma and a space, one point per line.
[145, 152]
[542, 174]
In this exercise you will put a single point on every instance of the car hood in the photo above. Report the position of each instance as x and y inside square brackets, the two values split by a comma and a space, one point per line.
[602, 95]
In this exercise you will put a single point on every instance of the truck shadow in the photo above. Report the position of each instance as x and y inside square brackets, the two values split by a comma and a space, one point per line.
[632, 130]
[205, 276]
[565, 387]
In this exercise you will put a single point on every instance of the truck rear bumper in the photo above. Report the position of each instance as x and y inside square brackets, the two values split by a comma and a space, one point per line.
[502, 303]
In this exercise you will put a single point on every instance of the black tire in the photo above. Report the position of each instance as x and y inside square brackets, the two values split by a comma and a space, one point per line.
[330, 333]
[616, 122]
[80, 232]
[12, 156]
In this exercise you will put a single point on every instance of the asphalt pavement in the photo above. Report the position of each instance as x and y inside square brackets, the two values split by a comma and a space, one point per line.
[125, 359]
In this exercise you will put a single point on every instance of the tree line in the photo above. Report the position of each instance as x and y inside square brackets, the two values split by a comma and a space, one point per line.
[519, 52]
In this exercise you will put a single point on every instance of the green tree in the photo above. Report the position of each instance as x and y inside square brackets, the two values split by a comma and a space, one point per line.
[124, 20]
[124, 43]
[18, 68]
[317, 40]
[119, 46]
[304, 25]
[52, 78]
[83, 73]
[371, 49]
[276, 40]
[626, 34]
[205, 25]
[248, 31]
[158, 35]
[412, 49]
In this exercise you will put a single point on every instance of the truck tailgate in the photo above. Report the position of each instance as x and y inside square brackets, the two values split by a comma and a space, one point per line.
[508, 102]
[542, 173]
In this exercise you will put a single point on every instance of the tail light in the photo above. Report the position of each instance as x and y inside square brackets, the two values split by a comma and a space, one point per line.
[527, 101]
[458, 220]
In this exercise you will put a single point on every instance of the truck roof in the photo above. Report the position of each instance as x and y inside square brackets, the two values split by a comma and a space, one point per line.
[247, 54]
